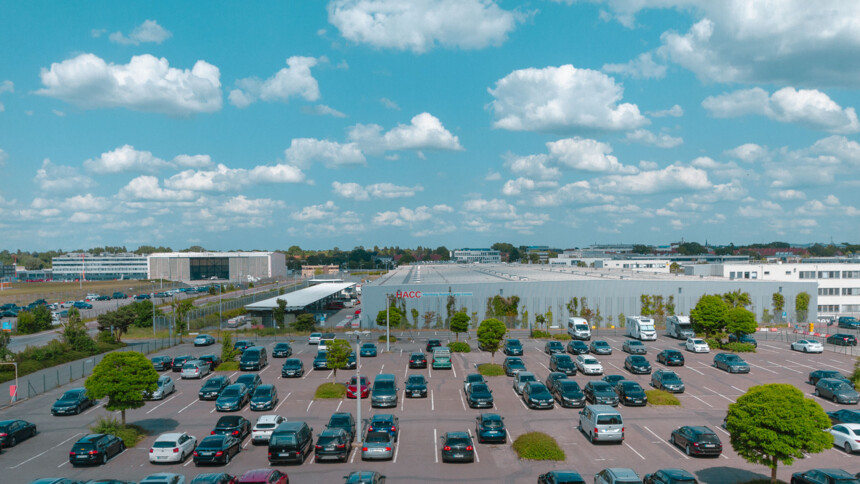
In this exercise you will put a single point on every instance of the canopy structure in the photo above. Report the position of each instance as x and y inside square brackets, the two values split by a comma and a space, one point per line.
[298, 300]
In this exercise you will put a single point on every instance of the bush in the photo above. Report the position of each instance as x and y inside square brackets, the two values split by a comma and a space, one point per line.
[130, 434]
[491, 369]
[228, 366]
[391, 338]
[537, 334]
[561, 337]
[661, 397]
[739, 347]
[330, 390]
[106, 337]
[538, 446]
[459, 347]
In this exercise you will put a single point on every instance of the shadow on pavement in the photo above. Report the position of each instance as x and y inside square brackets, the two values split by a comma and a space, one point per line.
[722, 475]
[155, 426]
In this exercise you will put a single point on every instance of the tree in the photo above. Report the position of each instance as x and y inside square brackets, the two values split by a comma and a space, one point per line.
[642, 249]
[459, 324]
[280, 312]
[709, 315]
[737, 299]
[775, 423]
[337, 354]
[228, 352]
[27, 323]
[675, 268]
[181, 309]
[305, 322]
[691, 248]
[393, 316]
[740, 320]
[490, 334]
[5, 339]
[778, 305]
[118, 321]
[43, 317]
[122, 377]
[801, 306]
[75, 333]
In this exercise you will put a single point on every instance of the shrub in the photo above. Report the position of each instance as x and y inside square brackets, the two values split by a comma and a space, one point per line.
[330, 390]
[538, 446]
[561, 337]
[106, 337]
[391, 338]
[537, 334]
[739, 347]
[459, 347]
[491, 369]
[228, 366]
[130, 434]
[661, 397]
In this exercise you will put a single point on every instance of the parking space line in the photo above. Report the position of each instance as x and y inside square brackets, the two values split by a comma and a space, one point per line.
[675, 448]
[435, 452]
[405, 371]
[520, 399]
[309, 406]
[381, 367]
[329, 374]
[800, 364]
[546, 367]
[40, 454]
[307, 373]
[832, 366]
[397, 447]
[634, 451]
[282, 401]
[721, 429]
[699, 399]
[185, 407]
[454, 370]
[785, 367]
[160, 404]
[432, 403]
[613, 366]
[762, 368]
[738, 389]
[352, 458]
[697, 371]
[719, 394]
[474, 447]
[233, 374]
[338, 406]
[61, 465]
[462, 401]
[403, 400]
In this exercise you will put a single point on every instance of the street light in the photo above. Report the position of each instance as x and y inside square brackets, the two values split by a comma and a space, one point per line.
[387, 324]
[358, 334]
[153, 311]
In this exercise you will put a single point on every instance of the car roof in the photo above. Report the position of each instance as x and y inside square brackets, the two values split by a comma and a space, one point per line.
[382, 416]
[677, 473]
[170, 436]
[491, 416]
[90, 437]
[623, 472]
[332, 431]
[257, 474]
[700, 429]
[268, 418]
[232, 419]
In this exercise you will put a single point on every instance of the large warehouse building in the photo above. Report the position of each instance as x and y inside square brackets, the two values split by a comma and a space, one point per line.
[227, 266]
[90, 267]
[435, 291]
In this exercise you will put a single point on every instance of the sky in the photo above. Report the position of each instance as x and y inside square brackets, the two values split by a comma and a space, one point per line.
[267, 124]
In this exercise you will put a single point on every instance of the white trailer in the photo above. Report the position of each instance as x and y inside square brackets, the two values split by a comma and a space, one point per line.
[641, 328]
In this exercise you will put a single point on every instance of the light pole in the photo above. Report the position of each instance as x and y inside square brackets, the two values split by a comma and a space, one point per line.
[219, 309]
[358, 334]
[153, 311]
[387, 324]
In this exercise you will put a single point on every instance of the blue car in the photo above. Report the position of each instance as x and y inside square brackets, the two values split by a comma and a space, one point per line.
[490, 427]
[82, 305]
[368, 349]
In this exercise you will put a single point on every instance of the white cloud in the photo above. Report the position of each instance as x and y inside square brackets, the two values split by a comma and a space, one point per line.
[323, 110]
[675, 111]
[535, 166]
[420, 25]
[661, 140]
[295, 80]
[146, 187]
[303, 151]
[518, 186]
[376, 190]
[561, 99]
[86, 203]
[406, 216]
[807, 107]
[748, 152]
[586, 155]
[388, 103]
[242, 205]
[493, 176]
[58, 178]
[280, 173]
[790, 195]
[759, 209]
[193, 161]
[577, 193]
[425, 131]
[642, 67]
[494, 209]
[839, 147]
[146, 83]
[220, 179]
[123, 159]
[7, 86]
[671, 178]
[316, 212]
[148, 31]
[527, 224]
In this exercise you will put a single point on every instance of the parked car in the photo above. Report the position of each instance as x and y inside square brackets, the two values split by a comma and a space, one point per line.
[816, 375]
[333, 443]
[342, 420]
[848, 322]
[553, 378]
[560, 477]
[161, 363]
[846, 436]
[212, 360]
[215, 478]
[203, 340]
[195, 369]
[172, 447]
[416, 386]
[742, 338]
[631, 394]
[314, 338]
[600, 393]
[731, 363]
[264, 476]
[265, 397]
[667, 380]
[588, 365]
[72, 402]
[844, 416]
[165, 387]
[82, 305]
[836, 390]
[513, 365]
[562, 363]
[552, 347]
[217, 449]
[634, 347]
[95, 449]
[242, 345]
[671, 358]
[479, 395]
[282, 350]
[513, 347]
[568, 394]
[417, 360]
[352, 388]
[14, 431]
[457, 447]
[251, 381]
[490, 427]
[291, 442]
[179, 361]
[432, 344]
[368, 350]
[670, 476]
[696, 440]
[520, 380]
[385, 422]
[119, 295]
[262, 430]
[157, 478]
[103, 297]
[234, 425]
[292, 368]
[213, 387]
[613, 379]
[601, 423]
[577, 347]
[842, 339]
[232, 398]
[472, 378]
[637, 364]
[823, 476]
[617, 475]
[321, 360]
[377, 446]
[600, 347]
[141, 297]
[808, 346]
[536, 395]
[697, 345]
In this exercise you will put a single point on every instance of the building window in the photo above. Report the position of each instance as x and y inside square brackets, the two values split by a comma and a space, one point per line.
[851, 291]
[828, 308]
[807, 274]
[828, 274]
[209, 268]
[829, 291]
[851, 308]
[851, 274]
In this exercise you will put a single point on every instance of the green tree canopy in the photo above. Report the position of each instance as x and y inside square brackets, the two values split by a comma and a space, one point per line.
[393, 316]
[27, 323]
[305, 322]
[122, 377]
[337, 354]
[118, 320]
[691, 248]
[737, 298]
[709, 315]
[75, 333]
[280, 312]
[801, 306]
[776, 423]
[490, 334]
[740, 320]
[43, 317]
[460, 324]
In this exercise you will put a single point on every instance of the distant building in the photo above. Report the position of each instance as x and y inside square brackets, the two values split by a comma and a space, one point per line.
[311, 271]
[90, 267]
[542, 252]
[476, 256]
[7, 272]
[36, 275]
[227, 266]
[660, 266]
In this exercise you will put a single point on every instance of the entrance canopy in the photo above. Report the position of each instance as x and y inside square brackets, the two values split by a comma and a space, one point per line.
[298, 300]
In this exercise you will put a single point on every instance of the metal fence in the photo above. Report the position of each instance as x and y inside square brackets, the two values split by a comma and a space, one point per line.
[45, 380]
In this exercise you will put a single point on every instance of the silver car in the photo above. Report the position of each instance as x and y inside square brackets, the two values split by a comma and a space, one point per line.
[165, 387]
[377, 446]
[195, 369]
[521, 379]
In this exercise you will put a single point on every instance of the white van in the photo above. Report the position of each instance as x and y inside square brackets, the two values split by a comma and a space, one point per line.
[578, 328]
[641, 328]
[679, 327]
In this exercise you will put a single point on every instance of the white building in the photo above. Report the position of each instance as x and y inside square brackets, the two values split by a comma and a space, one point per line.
[659, 266]
[85, 266]
[227, 266]
[476, 256]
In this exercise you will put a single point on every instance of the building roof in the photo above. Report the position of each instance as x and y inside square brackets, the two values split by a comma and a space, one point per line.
[208, 254]
[302, 298]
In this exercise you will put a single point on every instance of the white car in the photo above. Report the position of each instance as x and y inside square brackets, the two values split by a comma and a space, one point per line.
[172, 447]
[846, 436]
[164, 478]
[165, 388]
[314, 338]
[264, 427]
[588, 365]
[697, 345]
[808, 346]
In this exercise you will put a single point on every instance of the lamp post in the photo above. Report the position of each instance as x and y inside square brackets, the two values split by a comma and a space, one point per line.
[152, 301]
[387, 324]
[358, 334]
[219, 309]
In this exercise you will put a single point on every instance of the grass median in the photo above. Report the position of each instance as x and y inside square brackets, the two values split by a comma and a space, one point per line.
[661, 397]
[330, 390]
[538, 446]
[491, 369]
[130, 434]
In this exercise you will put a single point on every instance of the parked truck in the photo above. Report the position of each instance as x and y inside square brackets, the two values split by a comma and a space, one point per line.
[679, 327]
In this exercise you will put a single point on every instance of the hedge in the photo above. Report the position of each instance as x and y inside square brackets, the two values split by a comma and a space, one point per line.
[130, 434]
[538, 446]
[459, 347]
[561, 337]
[661, 397]
[330, 390]
[491, 369]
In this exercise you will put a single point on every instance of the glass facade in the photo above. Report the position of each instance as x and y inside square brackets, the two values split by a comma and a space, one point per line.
[208, 268]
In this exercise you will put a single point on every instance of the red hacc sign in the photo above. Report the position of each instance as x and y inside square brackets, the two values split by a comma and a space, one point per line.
[408, 294]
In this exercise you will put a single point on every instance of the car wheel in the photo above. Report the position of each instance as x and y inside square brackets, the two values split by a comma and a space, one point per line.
[815, 392]
[12, 442]
[805, 349]
[672, 439]
[848, 447]
[833, 397]
[688, 449]
[591, 437]
[226, 458]
[104, 459]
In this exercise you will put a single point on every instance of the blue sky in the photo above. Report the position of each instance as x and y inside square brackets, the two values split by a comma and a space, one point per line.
[261, 125]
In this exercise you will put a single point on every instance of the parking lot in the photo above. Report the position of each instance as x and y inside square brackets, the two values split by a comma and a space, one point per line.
[416, 459]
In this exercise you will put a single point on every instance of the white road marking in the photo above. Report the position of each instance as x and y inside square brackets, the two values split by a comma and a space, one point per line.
[787, 368]
[520, 399]
[738, 389]
[307, 373]
[762, 368]
[454, 370]
[800, 364]
[403, 401]
[721, 429]
[189, 462]
[233, 374]
[699, 399]
[405, 372]
[462, 401]
[397, 447]
[352, 459]
[772, 346]
[613, 366]
[432, 403]
[42, 453]
[61, 465]
[160, 404]
[329, 374]
[381, 367]
[185, 407]
[675, 448]
[634, 451]
[718, 394]
[282, 401]
[697, 371]
[435, 451]
[474, 447]
[309, 407]
[837, 367]
[213, 409]
[338, 406]
[430, 371]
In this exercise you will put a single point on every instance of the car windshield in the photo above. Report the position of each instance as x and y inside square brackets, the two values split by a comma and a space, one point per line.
[515, 361]
[698, 342]
[292, 363]
[600, 386]
[568, 386]
[376, 437]
[581, 327]
[263, 392]
[452, 441]
[539, 391]
[416, 379]
[384, 385]
[189, 366]
[514, 342]
[562, 359]
[246, 379]
[380, 422]
[340, 421]
[163, 444]
[210, 443]
[284, 439]
[601, 343]
[673, 353]
[480, 388]
[609, 419]
[322, 354]
[82, 447]
[670, 377]
[493, 424]
[368, 346]
[709, 438]
[638, 359]
[526, 378]
[589, 361]
[635, 343]
[733, 358]
[265, 426]
[631, 386]
[69, 396]
[230, 392]
[842, 386]
[327, 439]
[212, 384]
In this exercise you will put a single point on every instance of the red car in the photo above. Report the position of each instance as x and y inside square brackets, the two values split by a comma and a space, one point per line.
[264, 476]
[351, 387]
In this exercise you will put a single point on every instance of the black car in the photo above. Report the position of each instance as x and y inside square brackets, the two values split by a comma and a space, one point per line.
[560, 477]
[14, 431]
[321, 360]
[213, 387]
[842, 339]
[282, 350]
[162, 363]
[600, 347]
[179, 362]
[634, 347]
[667, 380]
[562, 363]
[637, 364]
[553, 347]
[457, 447]
[72, 402]
[848, 322]
[479, 395]
[823, 476]
[513, 347]
[553, 378]
[601, 393]
[431, 344]
[342, 420]
[95, 449]
[490, 427]
[568, 394]
[364, 477]
[742, 338]
[631, 394]
[292, 368]
[265, 397]
[837, 417]
[416, 386]
[671, 358]
[216, 449]
[417, 360]
[242, 345]
[513, 365]
[233, 425]
[233, 398]
[577, 347]
[536, 395]
[333, 443]
[670, 476]
[213, 360]
[251, 381]
[820, 374]
[215, 478]
[696, 440]
[613, 379]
